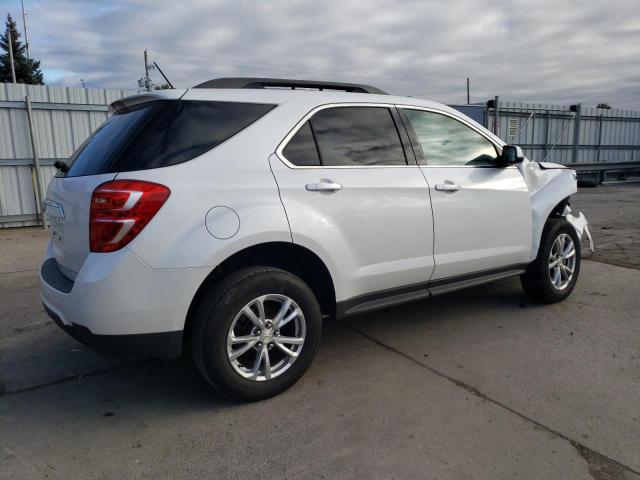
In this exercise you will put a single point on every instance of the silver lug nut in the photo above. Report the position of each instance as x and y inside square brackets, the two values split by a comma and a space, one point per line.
[258, 332]
[268, 324]
[270, 345]
[259, 345]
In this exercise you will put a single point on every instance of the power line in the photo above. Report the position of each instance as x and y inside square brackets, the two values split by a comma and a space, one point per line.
[228, 62]
[163, 75]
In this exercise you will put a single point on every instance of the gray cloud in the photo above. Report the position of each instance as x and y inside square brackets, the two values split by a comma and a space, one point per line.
[534, 51]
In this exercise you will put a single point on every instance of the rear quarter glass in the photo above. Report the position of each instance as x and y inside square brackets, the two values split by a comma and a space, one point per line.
[161, 133]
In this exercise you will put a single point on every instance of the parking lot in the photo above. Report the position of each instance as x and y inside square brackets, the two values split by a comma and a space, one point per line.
[480, 384]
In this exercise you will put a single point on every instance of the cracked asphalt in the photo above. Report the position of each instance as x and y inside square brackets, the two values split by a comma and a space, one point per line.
[480, 384]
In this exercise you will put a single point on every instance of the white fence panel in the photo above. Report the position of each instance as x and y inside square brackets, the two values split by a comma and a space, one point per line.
[63, 117]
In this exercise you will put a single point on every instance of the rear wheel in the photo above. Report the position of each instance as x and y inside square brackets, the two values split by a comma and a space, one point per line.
[256, 333]
[553, 274]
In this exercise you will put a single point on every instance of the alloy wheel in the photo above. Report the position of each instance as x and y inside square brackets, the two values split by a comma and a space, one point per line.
[562, 261]
[266, 337]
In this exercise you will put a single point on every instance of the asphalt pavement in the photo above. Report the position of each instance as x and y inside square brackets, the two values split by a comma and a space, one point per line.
[480, 384]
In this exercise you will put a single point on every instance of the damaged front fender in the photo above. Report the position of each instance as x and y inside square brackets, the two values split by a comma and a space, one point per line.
[549, 186]
[579, 222]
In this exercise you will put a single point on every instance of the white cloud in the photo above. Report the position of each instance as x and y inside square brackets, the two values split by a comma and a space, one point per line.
[537, 51]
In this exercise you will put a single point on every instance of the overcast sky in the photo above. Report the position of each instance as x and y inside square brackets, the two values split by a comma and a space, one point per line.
[545, 51]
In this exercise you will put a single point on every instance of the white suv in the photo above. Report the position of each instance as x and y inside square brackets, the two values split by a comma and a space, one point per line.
[229, 219]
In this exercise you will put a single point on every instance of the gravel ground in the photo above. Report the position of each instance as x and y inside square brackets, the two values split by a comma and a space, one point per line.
[614, 217]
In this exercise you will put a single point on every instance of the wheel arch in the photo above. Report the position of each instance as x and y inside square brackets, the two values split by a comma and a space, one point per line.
[548, 200]
[553, 211]
[287, 256]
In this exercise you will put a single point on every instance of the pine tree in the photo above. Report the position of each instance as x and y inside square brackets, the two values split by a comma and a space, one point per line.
[27, 70]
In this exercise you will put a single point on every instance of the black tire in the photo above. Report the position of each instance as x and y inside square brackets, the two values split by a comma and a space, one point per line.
[536, 281]
[215, 314]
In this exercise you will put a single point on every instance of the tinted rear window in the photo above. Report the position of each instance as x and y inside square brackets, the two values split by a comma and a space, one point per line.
[161, 133]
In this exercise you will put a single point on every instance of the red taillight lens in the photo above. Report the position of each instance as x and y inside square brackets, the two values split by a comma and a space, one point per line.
[120, 209]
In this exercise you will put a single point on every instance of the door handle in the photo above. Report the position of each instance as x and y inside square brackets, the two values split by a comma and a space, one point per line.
[324, 185]
[448, 186]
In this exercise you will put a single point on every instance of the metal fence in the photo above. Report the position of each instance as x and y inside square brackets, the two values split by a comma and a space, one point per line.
[589, 139]
[567, 135]
[61, 119]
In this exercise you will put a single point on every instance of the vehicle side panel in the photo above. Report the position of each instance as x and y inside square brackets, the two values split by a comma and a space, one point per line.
[547, 188]
[236, 175]
[484, 225]
[377, 229]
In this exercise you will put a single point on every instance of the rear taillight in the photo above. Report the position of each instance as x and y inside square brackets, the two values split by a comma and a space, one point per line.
[120, 209]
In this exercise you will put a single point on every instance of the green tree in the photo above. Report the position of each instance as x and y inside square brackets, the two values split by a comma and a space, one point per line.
[27, 70]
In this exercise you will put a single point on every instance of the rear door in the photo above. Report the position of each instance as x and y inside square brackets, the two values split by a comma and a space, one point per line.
[481, 211]
[67, 210]
[352, 193]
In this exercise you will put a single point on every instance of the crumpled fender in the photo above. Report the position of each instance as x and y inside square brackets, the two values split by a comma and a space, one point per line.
[548, 185]
[579, 222]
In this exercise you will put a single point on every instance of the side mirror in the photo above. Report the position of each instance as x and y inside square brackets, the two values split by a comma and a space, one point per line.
[511, 155]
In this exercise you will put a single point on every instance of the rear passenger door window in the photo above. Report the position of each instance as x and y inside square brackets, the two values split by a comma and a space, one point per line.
[347, 136]
[362, 199]
[449, 142]
[302, 149]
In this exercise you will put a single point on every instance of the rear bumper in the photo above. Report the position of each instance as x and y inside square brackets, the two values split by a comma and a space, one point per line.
[119, 306]
[153, 345]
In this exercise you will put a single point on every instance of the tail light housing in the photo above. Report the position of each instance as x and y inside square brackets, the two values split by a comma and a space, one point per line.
[120, 209]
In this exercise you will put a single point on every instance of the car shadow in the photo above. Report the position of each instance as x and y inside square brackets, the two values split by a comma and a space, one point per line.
[56, 362]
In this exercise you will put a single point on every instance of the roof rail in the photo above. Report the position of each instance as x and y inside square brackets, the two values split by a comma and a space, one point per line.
[241, 82]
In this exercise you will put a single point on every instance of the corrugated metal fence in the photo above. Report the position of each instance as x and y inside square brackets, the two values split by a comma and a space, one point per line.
[590, 139]
[587, 138]
[577, 134]
[62, 118]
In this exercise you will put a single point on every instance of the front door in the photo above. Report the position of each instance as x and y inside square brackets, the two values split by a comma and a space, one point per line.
[481, 212]
[351, 195]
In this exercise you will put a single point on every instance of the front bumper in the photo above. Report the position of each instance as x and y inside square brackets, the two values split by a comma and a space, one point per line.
[119, 306]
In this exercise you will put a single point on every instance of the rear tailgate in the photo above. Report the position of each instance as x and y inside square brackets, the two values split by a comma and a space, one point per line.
[67, 209]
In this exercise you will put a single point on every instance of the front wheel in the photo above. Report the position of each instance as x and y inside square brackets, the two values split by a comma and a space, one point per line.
[256, 332]
[553, 274]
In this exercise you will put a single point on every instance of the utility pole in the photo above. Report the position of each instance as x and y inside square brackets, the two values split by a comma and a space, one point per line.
[82, 81]
[468, 91]
[496, 115]
[13, 67]
[26, 37]
[36, 161]
[147, 80]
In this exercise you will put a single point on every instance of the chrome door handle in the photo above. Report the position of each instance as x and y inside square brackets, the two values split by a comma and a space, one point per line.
[448, 186]
[324, 185]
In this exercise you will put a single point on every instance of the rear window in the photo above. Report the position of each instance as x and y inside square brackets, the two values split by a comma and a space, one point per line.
[161, 133]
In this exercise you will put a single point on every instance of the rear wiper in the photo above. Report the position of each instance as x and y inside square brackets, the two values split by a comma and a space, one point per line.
[62, 166]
